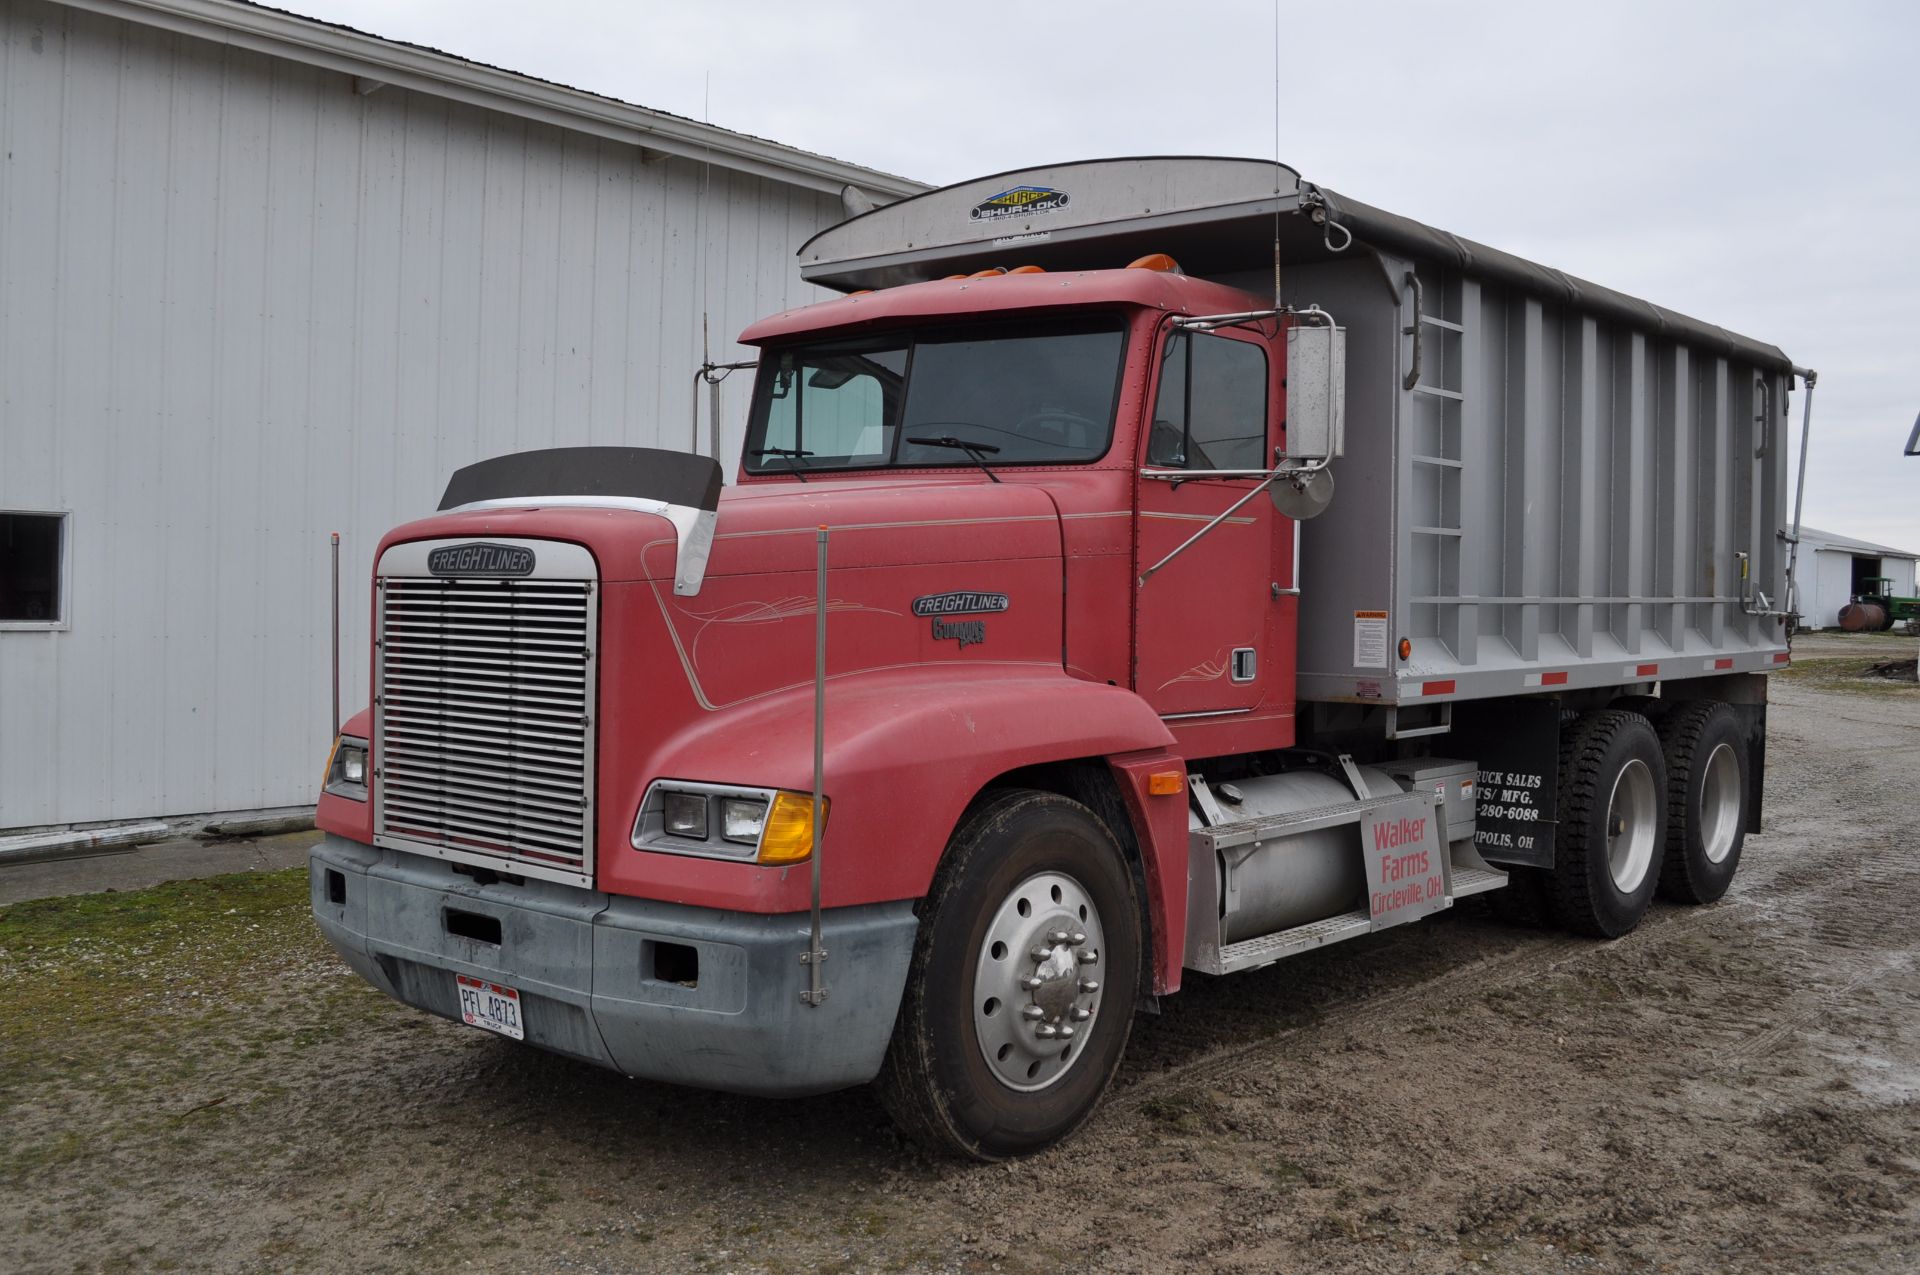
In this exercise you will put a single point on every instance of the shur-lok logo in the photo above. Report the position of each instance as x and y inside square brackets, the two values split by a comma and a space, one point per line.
[938, 606]
[1021, 201]
[480, 559]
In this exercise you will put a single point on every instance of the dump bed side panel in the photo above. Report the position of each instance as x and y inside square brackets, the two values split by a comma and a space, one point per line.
[1556, 501]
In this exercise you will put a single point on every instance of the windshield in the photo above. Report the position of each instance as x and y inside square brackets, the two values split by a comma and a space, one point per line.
[1001, 394]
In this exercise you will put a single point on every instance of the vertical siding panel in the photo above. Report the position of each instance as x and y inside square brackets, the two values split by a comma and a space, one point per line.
[137, 434]
[291, 668]
[462, 252]
[187, 762]
[574, 267]
[240, 630]
[607, 425]
[335, 447]
[32, 67]
[82, 444]
[419, 303]
[498, 371]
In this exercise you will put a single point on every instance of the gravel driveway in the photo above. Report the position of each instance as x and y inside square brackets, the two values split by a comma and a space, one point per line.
[190, 1080]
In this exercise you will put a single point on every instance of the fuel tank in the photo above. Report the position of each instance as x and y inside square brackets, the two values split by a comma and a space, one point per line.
[1863, 617]
[1301, 877]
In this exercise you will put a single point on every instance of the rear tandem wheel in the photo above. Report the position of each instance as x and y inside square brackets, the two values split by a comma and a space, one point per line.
[1612, 825]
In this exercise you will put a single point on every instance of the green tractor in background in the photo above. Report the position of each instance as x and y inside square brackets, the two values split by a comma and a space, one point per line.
[1876, 609]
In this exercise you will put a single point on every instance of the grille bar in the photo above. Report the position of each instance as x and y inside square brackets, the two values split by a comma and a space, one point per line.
[483, 723]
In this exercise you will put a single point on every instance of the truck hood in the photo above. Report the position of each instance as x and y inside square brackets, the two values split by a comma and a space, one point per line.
[773, 528]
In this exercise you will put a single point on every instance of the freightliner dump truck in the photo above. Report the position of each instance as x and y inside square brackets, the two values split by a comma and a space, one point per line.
[1008, 685]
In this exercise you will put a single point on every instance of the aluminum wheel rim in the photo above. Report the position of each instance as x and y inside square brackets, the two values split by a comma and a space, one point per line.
[1631, 818]
[1036, 981]
[1720, 803]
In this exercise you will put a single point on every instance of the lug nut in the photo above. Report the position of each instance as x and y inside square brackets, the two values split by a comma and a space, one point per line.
[1076, 938]
[1089, 984]
[1087, 957]
[1059, 936]
[1047, 1031]
[1031, 984]
[1032, 1013]
[1081, 1015]
[1065, 1030]
[1039, 953]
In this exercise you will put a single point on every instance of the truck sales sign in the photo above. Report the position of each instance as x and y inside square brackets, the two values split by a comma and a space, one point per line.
[1406, 862]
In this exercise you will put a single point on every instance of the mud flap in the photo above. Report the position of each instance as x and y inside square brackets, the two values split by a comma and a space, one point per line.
[1515, 743]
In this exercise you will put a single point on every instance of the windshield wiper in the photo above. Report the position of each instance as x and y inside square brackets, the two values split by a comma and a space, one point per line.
[977, 452]
[788, 454]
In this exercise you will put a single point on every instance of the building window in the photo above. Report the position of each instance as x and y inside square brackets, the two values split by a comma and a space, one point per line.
[33, 592]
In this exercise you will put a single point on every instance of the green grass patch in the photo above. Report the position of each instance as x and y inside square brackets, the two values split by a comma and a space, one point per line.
[1849, 674]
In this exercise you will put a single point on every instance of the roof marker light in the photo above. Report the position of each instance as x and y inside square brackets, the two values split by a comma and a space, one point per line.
[1027, 270]
[1156, 261]
[989, 273]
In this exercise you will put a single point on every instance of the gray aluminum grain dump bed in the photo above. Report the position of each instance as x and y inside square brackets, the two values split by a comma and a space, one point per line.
[1551, 486]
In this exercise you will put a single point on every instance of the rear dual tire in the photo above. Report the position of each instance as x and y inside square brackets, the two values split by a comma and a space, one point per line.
[1705, 750]
[1612, 825]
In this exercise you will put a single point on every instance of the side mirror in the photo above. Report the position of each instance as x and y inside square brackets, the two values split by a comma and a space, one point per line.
[1316, 392]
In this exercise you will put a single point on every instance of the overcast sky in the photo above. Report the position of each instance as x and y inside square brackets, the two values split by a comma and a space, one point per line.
[1756, 165]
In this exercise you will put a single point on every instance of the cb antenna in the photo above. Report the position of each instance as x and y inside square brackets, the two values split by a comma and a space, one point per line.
[1277, 303]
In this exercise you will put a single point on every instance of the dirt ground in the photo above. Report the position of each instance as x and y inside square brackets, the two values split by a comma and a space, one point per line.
[190, 1080]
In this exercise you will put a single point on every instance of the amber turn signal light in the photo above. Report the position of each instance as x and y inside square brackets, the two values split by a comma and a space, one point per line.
[1406, 647]
[1166, 783]
[789, 834]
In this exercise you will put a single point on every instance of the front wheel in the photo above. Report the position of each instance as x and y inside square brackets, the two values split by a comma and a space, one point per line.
[1020, 997]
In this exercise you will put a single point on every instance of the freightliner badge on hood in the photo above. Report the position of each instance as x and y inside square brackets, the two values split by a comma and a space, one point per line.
[480, 559]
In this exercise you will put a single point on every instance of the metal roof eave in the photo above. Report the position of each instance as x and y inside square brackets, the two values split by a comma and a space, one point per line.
[277, 33]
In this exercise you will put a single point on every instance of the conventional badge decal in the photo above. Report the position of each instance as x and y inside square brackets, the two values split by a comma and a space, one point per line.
[1020, 201]
[959, 603]
[481, 559]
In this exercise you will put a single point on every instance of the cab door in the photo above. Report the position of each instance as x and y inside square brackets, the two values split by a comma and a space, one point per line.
[1202, 649]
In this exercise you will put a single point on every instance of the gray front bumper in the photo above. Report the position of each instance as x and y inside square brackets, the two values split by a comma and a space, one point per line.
[584, 965]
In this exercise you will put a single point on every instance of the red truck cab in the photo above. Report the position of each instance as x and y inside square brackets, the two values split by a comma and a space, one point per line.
[996, 459]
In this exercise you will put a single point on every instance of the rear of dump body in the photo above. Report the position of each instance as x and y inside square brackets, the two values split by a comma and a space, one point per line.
[1546, 484]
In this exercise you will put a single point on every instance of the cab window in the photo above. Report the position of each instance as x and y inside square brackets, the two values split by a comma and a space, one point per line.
[1211, 412]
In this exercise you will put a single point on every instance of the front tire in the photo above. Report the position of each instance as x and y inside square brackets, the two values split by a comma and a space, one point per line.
[1706, 755]
[1020, 996]
[1607, 856]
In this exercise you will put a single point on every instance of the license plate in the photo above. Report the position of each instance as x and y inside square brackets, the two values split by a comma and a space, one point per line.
[490, 1006]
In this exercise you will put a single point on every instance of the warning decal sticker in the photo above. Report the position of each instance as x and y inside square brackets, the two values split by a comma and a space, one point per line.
[1369, 639]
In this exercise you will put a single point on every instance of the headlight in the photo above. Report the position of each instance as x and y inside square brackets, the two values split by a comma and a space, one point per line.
[742, 818]
[686, 815]
[347, 769]
[754, 825]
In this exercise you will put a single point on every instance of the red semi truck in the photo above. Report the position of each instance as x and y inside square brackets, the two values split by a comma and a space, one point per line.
[1005, 687]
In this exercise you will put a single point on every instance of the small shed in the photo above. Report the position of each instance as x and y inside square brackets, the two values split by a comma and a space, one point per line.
[1836, 568]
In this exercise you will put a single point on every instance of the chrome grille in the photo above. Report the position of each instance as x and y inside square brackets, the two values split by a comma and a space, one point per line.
[483, 748]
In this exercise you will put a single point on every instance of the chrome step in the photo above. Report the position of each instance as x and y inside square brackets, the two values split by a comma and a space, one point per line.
[1268, 948]
[1475, 881]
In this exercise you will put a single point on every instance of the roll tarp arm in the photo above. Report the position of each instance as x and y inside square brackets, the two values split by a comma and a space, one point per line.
[1389, 231]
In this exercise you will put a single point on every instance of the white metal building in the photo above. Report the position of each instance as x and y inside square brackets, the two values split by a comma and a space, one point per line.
[1834, 567]
[262, 279]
